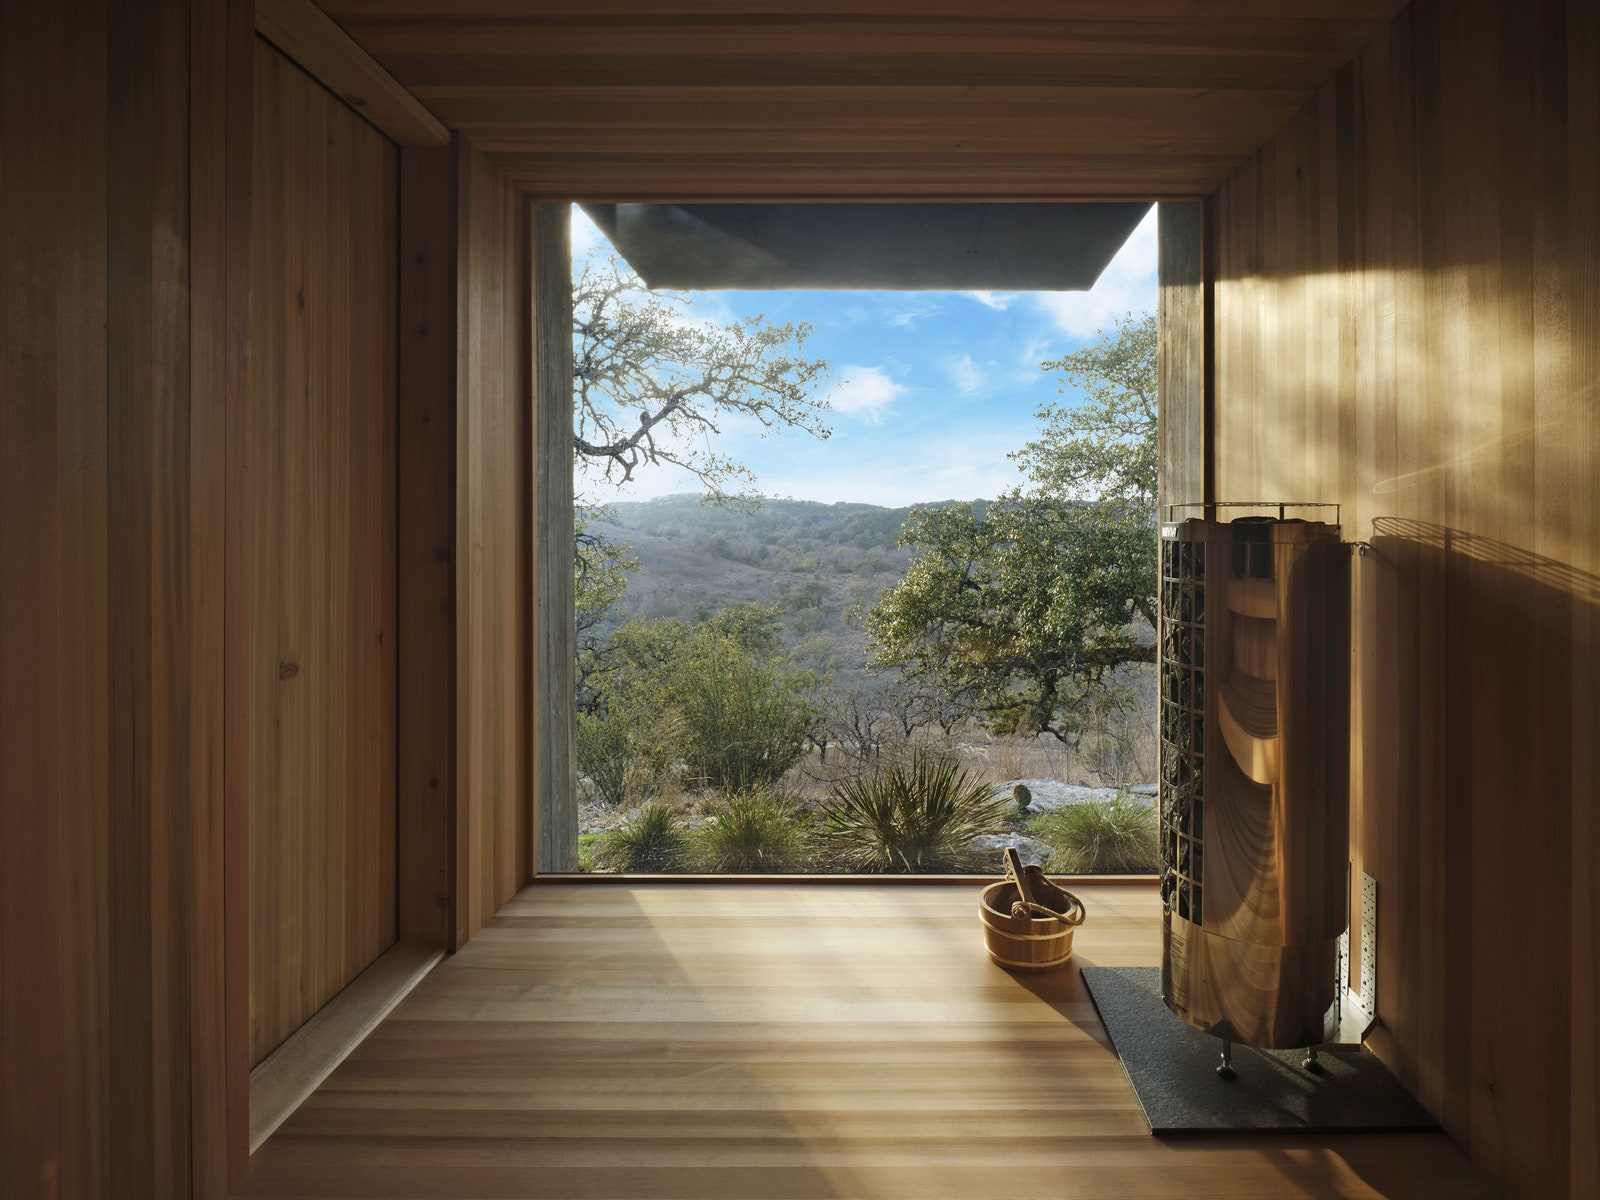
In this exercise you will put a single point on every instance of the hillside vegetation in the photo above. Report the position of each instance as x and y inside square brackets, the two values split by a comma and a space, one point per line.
[819, 565]
[783, 685]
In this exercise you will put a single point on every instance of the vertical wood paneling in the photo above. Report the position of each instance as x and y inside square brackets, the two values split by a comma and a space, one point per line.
[1182, 365]
[426, 608]
[493, 543]
[54, 778]
[1406, 324]
[1582, 429]
[221, 100]
[123, 256]
[322, 456]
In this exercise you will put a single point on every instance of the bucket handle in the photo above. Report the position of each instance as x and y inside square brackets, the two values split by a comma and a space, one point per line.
[1027, 906]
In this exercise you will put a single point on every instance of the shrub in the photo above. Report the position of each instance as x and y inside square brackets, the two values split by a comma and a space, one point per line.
[604, 755]
[1106, 837]
[753, 832]
[655, 840]
[717, 697]
[622, 755]
[910, 817]
[744, 720]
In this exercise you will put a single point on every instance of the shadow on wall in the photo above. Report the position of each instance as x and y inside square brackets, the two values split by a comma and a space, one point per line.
[1478, 677]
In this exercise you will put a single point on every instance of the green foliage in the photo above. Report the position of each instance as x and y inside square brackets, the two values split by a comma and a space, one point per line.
[1022, 611]
[756, 831]
[623, 753]
[650, 382]
[588, 850]
[745, 720]
[716, 696]
[1104, 445]
[912, 817]
[1108, 837]
[600, 578]
[1025, 607]
[604, 755]
[656, 840]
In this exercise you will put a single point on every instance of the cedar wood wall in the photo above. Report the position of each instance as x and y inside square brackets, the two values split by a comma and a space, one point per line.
[124, 240]
[494, 564]
[1408, 322]
[124, 608]
[322, 478]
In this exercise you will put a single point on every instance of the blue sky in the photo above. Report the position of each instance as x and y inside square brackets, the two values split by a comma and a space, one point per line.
[930, 390]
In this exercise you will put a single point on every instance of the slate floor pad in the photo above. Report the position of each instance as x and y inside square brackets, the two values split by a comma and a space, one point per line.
[1172, 1067]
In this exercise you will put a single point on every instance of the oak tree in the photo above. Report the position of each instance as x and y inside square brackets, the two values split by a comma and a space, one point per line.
[1032, 605]
[654, 384]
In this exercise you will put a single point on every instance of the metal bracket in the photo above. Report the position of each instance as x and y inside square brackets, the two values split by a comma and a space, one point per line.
[1358, 1009]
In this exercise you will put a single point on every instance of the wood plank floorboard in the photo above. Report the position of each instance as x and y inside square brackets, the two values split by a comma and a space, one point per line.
[815, 1040]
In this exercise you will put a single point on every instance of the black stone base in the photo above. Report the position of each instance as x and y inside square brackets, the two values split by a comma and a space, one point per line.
[1172, 1067]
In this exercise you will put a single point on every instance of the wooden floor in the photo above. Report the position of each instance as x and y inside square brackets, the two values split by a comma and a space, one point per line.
[812, 1040]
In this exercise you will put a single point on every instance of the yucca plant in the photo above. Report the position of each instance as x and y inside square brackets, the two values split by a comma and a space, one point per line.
[655, 840]
[1100, 837]
[755, 831]
[913, 817]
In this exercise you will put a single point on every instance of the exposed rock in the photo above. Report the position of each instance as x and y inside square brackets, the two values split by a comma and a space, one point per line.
[1030, 850]
[1051, 794]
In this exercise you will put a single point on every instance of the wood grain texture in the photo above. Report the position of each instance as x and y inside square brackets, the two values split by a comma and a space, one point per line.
[1406, 308]
[282, 1080]
[322, 477]
[240, 150]
[494, 769]
[1023, 100]
[426, 668]
[1181, 356]
[554, 619]
[303, 32]
[55, 780]
[119, 334]
[804, 1040]
[222, 108]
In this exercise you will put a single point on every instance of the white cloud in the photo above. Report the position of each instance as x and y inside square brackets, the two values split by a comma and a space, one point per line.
[864, 392]
[995, 300]
[966, 375]
[956, 465]
[916, 311]
[1128, 284]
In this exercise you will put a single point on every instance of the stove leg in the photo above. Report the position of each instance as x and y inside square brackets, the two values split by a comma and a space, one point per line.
[1225, 1066]
[1312, 1063]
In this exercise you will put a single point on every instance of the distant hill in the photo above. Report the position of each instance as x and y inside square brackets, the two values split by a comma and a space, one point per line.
[818, 563]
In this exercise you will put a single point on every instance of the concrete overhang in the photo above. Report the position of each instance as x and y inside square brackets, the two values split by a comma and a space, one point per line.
[879, 247]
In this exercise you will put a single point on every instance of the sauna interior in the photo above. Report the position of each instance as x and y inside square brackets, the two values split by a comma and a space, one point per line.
[286, 616]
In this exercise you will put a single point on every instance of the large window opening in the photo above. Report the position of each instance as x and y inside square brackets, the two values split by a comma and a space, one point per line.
[866, 572]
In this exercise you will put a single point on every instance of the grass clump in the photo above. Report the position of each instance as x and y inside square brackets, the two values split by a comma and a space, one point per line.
[654, 840]
[756, 831]
[914, 817]
[588, 852]
[1101, 837]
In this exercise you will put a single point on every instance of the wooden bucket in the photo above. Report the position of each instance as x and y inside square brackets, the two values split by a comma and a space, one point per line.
[1029, 945]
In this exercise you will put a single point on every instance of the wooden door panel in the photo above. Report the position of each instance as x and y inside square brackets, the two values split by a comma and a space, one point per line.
[322, 480]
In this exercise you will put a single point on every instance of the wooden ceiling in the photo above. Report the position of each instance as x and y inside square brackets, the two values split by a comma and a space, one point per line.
[860, 99]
